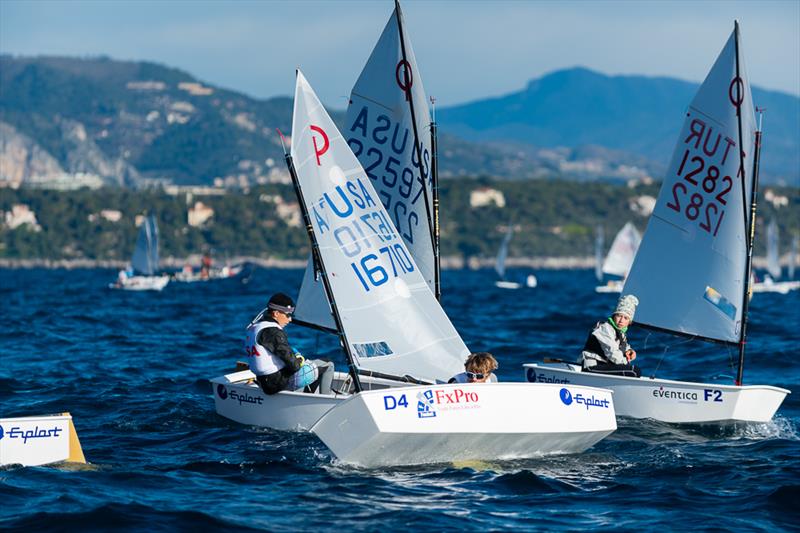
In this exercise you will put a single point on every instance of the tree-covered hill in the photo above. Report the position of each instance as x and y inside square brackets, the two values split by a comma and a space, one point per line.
[552, 218]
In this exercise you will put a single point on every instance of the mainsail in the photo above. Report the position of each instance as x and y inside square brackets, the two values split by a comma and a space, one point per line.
[773, 260]
[502, 253]
[599, 244]
[620, 257]
[388, 127]
[145, 256]
[388, 317]
[690, 271]
[793, 256]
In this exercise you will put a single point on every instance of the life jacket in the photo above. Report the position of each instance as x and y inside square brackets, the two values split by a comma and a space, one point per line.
[593, 344]
[261, 361]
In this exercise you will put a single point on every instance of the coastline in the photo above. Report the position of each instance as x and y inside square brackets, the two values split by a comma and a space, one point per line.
[447, 263]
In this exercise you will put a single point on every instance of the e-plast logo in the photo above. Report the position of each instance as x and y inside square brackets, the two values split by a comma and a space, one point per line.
[222, 392]
[566, 396]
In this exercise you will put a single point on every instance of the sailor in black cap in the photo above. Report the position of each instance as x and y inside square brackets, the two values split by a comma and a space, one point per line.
[276, 365]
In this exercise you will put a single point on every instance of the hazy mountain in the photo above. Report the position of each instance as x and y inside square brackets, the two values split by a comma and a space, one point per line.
[636, 114]
[134, 123]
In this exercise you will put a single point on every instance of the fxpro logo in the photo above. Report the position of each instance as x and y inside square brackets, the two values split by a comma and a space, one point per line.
[425, 404]
[533, 377]
[567, 399]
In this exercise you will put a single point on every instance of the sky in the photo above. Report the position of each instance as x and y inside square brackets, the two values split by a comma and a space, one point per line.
[466, 50]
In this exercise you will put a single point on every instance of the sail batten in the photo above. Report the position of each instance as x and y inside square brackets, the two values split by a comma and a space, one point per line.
[387, 313]
[695, 244]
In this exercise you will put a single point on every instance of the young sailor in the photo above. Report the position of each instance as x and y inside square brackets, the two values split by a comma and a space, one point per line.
[276, 365]
[479, 368]
[607, 350]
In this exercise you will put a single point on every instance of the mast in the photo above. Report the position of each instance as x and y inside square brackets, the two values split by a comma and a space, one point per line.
[435, 186]
[417, 149]
[318, 261]
[751, 230]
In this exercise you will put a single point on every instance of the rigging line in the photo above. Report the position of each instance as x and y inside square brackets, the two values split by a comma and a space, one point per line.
[410, 97]
[664, 353]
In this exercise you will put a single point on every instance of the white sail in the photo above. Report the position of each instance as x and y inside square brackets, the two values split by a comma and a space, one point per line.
[689, 273]
[793, 256]
[145, 255]
[389, 316]
[620, 257]
[773, 261]
[380, 131]
[599, 244]
[502, 253]
[312, 307]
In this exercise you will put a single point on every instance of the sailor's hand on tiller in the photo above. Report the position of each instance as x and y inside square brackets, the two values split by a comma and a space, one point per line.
[630, 355]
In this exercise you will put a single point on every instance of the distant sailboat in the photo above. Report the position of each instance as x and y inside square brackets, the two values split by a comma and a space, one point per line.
[620, 257]
[599, 247]
[144, 264]
[772, 280]
[692, 272]
[793, 255]
[500, 265]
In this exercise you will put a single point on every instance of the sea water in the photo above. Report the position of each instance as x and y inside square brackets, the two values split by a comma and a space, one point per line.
[132, 368]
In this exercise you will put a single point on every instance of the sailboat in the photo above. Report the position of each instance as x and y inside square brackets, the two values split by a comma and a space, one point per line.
[793, 255]
[390, 129]
[620, 258]
[141, 276]
[500, 265]
[771, 282]
[39, 440]
[391, 325]
[692, 271]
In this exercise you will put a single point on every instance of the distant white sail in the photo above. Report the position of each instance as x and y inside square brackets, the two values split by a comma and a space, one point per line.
[380, 131]
[145, 255]
[620, 257]
[599, 245]
[793, 256]
[502, 253]
[389, 316]
[773, 260]
[689, 273]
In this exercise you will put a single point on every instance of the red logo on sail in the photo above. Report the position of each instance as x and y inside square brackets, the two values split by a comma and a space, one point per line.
[407, 79]
[318, 151]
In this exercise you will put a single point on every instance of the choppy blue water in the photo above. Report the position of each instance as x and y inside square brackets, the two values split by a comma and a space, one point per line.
[132, 369]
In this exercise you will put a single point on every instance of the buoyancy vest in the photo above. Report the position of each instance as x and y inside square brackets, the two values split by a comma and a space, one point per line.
[262, 362]
[594, 346]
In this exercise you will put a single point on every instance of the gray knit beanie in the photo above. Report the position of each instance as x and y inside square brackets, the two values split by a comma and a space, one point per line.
[627, 306]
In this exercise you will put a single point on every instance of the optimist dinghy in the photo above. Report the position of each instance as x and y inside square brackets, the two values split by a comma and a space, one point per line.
[390, 324]
[500, 266]
[144, 264]
[769, 284]
[692, 271]
[39, 440]
[391, 130]
[619, 259]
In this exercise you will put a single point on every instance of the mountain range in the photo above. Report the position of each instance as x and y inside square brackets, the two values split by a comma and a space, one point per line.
[138, 123]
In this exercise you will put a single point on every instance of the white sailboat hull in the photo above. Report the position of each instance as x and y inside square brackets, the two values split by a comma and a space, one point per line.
[239, 398]
[780, 287]
[141, 283]
[679, 402]
[507, 285]
[39, 440]
[613, 286]
[214, 274]
[462, 422]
